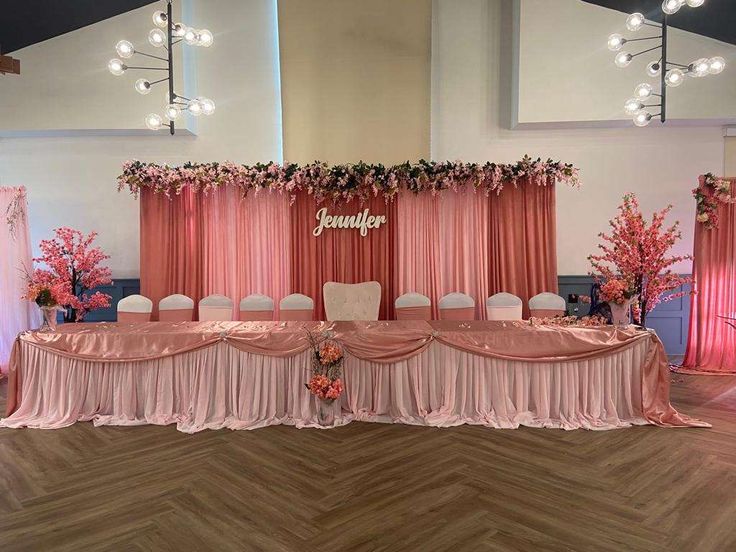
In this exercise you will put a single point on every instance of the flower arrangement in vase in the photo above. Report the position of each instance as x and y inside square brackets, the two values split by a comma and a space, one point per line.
[619, 295]
[47, 297]
[634, 260]
[325, 383]
[72, 271]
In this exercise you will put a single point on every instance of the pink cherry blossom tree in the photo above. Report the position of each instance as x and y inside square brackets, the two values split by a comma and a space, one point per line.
[636, 252]
[72, 270]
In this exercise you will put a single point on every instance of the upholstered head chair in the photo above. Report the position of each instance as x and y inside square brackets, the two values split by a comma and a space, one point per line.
[216, 307]
[135, 308]
[503, 306]
[413, 306]
[352, 301]
[176, 308]
[457, 306]
[547, 305]
[296, 307]
[256, 307]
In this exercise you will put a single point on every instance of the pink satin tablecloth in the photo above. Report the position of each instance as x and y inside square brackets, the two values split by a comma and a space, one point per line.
[245, 375]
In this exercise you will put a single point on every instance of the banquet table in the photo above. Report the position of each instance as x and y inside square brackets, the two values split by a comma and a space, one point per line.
[247, 375]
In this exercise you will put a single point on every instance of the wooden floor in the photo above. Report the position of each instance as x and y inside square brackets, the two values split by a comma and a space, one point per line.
[377, 487]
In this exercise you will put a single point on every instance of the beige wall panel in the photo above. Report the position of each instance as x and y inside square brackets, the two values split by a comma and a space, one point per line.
[730, 156]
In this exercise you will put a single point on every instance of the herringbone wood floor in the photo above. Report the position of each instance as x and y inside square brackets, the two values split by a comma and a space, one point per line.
[376, 487]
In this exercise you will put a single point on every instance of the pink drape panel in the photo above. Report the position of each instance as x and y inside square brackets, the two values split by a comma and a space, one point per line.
[711, 345]
[16, 314]
[198, 244]
[478, 245]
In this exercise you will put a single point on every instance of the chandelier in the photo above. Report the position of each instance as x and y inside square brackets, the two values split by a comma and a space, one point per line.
[670, 74]
[166, 35]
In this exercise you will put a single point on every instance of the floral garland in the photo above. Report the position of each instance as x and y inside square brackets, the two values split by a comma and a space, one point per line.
[713, 192]
[594, 321]
[343, 183]
[16, 210]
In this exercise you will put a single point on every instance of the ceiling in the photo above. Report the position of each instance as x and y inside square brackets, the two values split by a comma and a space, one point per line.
[26, 22]
[714, 19]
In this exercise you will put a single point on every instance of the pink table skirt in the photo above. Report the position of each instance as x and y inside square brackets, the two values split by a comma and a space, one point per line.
[211, 375]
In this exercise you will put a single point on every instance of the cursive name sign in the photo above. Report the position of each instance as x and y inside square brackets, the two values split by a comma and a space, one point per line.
[364, 221]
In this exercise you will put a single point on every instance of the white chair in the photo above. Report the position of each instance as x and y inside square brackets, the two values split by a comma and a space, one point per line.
[216, 307]
[457, 306]
[256, 307]
[413, 306]
[135, 309]
[176, 308]
[547, 305]
[503, 306]
[352, 301]
[296, 307]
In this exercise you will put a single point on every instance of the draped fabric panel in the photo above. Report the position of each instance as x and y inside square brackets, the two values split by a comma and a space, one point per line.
[711, 345]
[16, 314]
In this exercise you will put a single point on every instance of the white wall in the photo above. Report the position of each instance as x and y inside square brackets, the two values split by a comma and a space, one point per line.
[567, 73]
[71, 180]
[471, 101]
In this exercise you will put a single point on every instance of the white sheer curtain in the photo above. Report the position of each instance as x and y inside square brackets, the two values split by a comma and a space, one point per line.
[16, 314]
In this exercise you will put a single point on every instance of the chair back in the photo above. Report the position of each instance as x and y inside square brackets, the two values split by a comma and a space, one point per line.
[296, 307]
[216, 308]
[413, 306]
[176, 308]
[352, 301]
[256, 307]
[457, 306]
[135, 309]
[547, 305]
[503, 306]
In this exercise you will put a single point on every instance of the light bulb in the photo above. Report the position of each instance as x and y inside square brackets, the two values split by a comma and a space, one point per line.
[205, 38]
[179, 29]
[642, 118]
[671, 6]
[143, 86]
[695, 3]
[208, 106]
[157, 38]
[623, 59]
[154, 121]
[699, 68]
[172, 112]
[653, 68]
[124, 49]
[191, 36]
[160, 18]
[116, 67]
[615, 42]
[716, 65]
[643, 90]
[634, 21]
[195, 107]
[633, 105]
[674, 77]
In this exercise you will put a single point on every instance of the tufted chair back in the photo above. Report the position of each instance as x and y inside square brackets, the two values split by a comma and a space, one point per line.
[352, 301]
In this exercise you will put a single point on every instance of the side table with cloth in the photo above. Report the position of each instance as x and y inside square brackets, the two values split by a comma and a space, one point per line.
[246, 375]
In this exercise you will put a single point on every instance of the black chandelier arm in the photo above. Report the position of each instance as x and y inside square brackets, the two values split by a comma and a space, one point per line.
[654, 105]
[150, 55]
[626, 40]
[175, 42]
[657, 25]
[146, 68]
[646, 51]
[158, 81]
[678, 65]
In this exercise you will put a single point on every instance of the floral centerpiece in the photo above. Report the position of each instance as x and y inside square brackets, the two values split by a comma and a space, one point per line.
[72, 270]
[594, 321]
[619, 294]
[634, 260]
[47, 297]
[708, 196]
[325, 383]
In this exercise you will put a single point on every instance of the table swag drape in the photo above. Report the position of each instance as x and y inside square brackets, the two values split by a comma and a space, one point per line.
[570, 376]
[711, 345]
[475, 229]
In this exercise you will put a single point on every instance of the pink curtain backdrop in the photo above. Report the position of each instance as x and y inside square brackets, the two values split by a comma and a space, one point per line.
[219, 243]
[249, 375]
[16, 314]
[340, 255]
[711, 344]
[478, 245]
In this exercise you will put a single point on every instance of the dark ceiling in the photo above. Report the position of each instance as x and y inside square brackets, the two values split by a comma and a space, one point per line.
[26, 22]
[715, 19]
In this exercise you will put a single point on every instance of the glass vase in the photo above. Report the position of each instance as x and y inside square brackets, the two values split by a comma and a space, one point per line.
[48, 324]
[326, 413]
[621, 313]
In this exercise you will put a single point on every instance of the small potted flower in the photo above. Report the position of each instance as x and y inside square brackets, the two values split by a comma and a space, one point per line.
[325, 383]
[619, 296]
